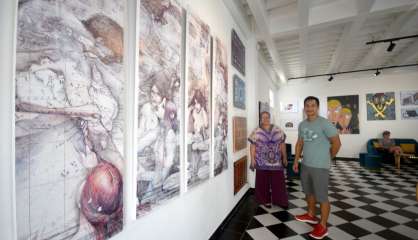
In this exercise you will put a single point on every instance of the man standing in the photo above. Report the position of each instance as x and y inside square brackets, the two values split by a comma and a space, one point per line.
[319, 141]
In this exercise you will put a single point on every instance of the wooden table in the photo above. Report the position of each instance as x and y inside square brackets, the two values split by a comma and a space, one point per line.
[405, 155]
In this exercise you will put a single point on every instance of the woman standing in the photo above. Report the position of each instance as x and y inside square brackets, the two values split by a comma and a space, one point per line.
[268, 157]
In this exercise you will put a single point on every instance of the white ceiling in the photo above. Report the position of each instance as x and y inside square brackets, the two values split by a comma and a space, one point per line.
[309, 37]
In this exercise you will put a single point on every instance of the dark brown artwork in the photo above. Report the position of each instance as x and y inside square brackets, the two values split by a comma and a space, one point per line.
[240, 174]
[240, 133]
[237, 53]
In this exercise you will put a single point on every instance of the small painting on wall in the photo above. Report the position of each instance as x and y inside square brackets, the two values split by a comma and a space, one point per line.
[343, 113]
[289, 106]
[289, 124]
[381, 106]
[409, 114]
[239, 93]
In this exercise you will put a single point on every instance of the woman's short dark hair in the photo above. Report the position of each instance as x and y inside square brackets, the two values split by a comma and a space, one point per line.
[311, 98]
[265, 112]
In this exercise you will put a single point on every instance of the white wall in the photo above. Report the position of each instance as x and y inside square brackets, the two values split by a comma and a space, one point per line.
[195, 214]
[360, 85]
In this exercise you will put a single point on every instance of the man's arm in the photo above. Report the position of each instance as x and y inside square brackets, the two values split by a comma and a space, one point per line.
[298, 152]
[282, 147]
[335, 145]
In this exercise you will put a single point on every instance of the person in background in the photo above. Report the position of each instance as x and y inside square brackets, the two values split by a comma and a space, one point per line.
[268, 157]
[388, 144]
[319, 141]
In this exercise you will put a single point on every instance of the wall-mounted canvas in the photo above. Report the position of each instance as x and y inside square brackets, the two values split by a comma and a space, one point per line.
[69, 119]
[160, 63]
[239, 92]
[290, 124]
[289, 106]
[409, 113]
[381, 106]
[220, 107]
[409, 98]
[240, 174]
[198, 100]
[239, 135]
[343, 113]
[237, 53]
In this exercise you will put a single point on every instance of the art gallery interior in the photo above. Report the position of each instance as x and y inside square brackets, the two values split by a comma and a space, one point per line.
[129, 119]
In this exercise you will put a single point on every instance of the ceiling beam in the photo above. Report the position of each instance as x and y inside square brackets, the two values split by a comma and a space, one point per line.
[258, 9]
[374, 56]
[343, 13]
[239, 18]
[363, 10]
[303, 17]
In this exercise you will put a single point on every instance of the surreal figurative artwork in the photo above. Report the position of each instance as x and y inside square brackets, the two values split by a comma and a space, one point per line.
[69, 119]
[381, 106]
[343, 113]
[220, 95]
[158, 147]
[198, 85]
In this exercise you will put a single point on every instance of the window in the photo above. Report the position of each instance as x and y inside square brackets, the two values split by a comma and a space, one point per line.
[271, 94]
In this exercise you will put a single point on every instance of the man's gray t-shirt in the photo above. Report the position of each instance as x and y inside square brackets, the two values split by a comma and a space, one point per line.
[316, 147]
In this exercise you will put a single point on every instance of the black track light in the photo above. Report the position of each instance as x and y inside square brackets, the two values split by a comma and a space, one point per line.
[330, 78]
[377, 73]
[391, 46]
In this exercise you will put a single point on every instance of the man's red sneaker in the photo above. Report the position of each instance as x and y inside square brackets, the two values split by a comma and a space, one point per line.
[319, 232]
[307, 218]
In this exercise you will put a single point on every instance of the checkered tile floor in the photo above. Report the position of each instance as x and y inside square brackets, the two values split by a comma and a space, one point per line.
[364, 205]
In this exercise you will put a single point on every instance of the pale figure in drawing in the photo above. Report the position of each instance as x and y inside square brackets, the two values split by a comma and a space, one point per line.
[69, 97]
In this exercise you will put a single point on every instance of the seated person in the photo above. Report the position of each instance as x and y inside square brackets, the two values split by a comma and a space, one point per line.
[388, 145]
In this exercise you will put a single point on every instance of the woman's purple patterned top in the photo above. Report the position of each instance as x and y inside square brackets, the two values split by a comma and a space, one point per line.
[267, 147]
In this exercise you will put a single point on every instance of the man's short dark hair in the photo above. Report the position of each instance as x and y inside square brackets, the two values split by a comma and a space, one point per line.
[311, 98]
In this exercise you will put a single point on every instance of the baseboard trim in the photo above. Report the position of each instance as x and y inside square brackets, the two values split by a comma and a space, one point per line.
[228, 218]
[347, 159]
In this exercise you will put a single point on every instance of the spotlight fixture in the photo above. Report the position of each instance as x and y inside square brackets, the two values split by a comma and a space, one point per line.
[377, 73]
[330, 78]
[391, 46]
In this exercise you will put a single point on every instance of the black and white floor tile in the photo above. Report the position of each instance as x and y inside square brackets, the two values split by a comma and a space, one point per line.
[364, 205]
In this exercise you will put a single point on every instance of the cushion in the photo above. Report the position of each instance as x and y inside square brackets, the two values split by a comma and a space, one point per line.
[377, 145]
[408, 147]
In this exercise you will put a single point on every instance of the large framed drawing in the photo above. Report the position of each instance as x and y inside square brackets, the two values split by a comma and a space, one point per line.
[381, 106]
[220, 97]
[198, 99]
[239, 133]
[343, 113]
[69, 119]
[237, 53]
[239, 92]
[160, 63]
